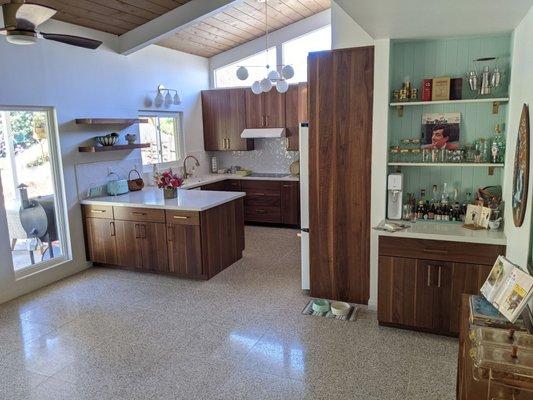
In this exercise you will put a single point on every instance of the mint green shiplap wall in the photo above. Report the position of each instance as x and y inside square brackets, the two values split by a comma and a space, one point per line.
[448, 57]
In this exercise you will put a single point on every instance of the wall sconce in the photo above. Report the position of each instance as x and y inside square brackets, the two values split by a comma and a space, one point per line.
[166, 98]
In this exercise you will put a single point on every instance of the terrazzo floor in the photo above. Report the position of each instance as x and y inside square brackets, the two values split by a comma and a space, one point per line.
[109, 334]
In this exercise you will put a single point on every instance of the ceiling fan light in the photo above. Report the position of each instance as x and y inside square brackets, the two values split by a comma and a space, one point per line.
[266, 85]
[256, 88]
[287, 72]
[273, 75]
[21, 39]
[242, 73]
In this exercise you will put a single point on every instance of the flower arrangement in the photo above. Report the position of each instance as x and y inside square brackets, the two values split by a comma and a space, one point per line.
[169, 182]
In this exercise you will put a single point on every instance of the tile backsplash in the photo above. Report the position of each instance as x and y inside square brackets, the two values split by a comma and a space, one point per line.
[95, 174]
[270, 155]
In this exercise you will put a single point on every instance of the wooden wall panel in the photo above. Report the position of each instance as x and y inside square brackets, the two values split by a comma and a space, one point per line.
[111, 16]
[239, 24]
[340, 137]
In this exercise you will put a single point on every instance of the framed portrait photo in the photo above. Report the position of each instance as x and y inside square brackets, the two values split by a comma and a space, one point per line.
[441, 131]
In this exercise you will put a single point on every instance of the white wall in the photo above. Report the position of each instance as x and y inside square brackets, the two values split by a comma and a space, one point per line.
[345, 32]
[83, 83]
[276, 38]
[521, 91]
[379, 154]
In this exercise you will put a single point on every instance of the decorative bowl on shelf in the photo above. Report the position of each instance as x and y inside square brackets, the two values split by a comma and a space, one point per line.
[107, 140]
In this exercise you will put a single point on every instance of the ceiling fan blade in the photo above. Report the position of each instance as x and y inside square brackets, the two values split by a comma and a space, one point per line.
[30, 16]
[73, 40]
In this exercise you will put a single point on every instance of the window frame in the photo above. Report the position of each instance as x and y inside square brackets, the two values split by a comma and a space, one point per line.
[278, 48]
[58, 178]
[282, 45]
[272, 49]
[179, 138]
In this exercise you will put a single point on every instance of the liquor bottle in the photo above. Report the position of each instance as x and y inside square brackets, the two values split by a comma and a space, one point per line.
[420, 210]
[431, 210]
[438, 212]
[445, 211]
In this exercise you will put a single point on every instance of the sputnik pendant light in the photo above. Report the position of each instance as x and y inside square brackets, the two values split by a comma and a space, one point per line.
[274, 77]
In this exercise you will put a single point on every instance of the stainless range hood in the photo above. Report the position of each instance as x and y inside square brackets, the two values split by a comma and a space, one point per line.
[263, 133]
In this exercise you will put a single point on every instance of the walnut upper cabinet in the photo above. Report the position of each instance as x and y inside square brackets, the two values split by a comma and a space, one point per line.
[223, 112]
[265, 110]
[295, 113]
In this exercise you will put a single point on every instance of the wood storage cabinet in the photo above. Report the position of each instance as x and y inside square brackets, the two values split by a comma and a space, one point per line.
[340, 90]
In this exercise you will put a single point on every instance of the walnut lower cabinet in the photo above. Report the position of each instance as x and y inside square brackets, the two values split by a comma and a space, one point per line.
[271, 202]
[100, 232]
[141, 245]
[183, 243]
[420, 282]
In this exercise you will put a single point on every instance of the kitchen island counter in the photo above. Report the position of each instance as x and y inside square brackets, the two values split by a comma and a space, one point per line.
[187, 200]
[196, 235]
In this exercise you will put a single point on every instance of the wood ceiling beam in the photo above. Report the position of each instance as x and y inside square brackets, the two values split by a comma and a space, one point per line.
[170, 23]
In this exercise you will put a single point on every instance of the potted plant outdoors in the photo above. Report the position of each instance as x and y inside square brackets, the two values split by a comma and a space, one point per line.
[169, 182]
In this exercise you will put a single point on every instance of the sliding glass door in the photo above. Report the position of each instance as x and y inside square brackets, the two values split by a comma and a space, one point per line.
[31, 178]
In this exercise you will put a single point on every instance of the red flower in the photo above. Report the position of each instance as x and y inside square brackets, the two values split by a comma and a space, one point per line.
[167, 179]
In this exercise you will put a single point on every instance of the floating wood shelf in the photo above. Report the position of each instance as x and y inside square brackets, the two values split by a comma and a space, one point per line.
[117, 147]
[111, 121]
[408, 164]
[490, 166]
[496, 101]
[480, 100]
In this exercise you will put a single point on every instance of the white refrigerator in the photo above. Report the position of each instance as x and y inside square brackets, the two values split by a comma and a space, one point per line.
[304, 203]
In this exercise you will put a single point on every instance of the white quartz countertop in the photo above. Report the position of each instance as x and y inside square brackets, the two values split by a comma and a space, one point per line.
[449, 231]
[187, 200]
[212, 178]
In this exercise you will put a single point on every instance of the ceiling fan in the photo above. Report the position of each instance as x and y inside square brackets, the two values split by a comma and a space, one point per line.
[22, 19]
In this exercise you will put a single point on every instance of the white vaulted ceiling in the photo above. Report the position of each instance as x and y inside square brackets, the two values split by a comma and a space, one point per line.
[408, 19]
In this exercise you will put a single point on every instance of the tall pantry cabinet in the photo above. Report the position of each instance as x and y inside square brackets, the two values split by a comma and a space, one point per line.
[340, 137]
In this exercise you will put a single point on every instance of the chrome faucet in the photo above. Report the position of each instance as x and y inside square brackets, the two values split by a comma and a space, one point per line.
[185, 173]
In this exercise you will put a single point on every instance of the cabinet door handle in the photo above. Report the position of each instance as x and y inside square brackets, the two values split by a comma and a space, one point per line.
[138, 213]
[439, 277]
[98, 211]
[143, 231]
[113, 228]
[170, 233]
[261, 211]
[137, 235]
[287, 186]
[180, 217]
[429, 275]
[229, 143]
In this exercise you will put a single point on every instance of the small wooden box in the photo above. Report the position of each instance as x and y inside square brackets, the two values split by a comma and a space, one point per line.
[440, 89]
